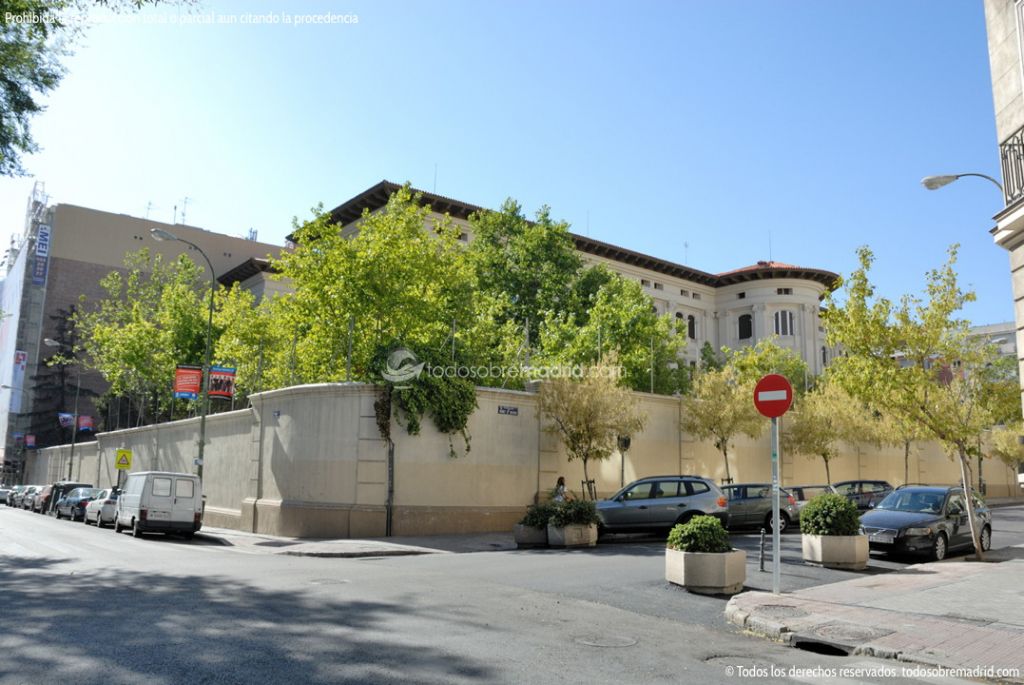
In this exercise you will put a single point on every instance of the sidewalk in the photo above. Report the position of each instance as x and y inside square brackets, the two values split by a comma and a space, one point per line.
[950, 614]
[372, 547]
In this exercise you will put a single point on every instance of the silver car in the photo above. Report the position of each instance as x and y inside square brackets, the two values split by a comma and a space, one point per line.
[750, 505]
[659, 502]
[805, 493]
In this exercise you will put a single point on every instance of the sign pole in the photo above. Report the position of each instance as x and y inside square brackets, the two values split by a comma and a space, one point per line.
[776, 537]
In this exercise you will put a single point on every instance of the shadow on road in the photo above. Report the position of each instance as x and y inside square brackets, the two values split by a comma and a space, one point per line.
[118, 626]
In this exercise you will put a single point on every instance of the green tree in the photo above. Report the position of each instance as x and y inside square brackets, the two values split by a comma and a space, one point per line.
[617, 319]
[152, 319]
[821, 420]
[1007, 447]
[720, 408]
[531, 263]
[589, 414]
[767, 356]
[915, 360]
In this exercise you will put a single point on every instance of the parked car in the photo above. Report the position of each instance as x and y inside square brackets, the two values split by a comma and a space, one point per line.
[102, 508]
[57, 491]
[805, 493]
[26, 497]
[12, 496]
[5, 490]
[863, 493]
[73, 504]
[160, 501]
[42, 499]
[660, 502]
[925, 520]
[750, 504]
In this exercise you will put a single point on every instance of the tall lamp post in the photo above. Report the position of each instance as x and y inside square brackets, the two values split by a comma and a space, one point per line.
[50, 342]
[162, 235]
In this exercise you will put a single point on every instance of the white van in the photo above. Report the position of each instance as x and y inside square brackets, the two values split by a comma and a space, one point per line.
[161, 502]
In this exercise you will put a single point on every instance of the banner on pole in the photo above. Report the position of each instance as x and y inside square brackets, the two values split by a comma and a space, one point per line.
[222, 382]
[188, 382]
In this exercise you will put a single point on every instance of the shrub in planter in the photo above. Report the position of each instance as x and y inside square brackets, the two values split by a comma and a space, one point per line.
[698, 556]
[831, 533]
[700, 534]
[573, 524]
[830, 514]
[532, 530]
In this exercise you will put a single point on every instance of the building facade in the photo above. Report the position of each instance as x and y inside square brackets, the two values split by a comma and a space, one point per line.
[1004, 21]
[736, 309]
[60, 259]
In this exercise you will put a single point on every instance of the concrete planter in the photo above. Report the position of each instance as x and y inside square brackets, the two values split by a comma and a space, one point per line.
[836, 551]
[721, 573]
[528, 536]
[572, 536]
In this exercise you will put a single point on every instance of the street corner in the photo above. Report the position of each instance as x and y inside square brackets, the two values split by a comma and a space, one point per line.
[764, 614]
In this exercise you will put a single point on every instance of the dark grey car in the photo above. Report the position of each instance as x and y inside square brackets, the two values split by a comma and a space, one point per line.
[660, 502]
[929, 520]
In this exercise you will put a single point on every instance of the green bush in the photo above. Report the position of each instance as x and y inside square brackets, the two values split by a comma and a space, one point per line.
[699, 534]
[830, 514]
[538, 515]
[575, 512]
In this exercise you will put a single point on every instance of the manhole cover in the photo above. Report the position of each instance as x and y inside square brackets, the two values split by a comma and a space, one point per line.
[780, 611]
[848, 632]
[327, 581]
[606, 641]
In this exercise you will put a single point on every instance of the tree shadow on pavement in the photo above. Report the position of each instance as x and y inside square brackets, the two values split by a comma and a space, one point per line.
[130, 627]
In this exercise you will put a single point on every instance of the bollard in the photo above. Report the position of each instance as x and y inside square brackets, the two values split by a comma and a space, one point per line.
[761, 554]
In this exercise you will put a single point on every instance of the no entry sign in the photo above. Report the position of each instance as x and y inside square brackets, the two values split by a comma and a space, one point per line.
[773, 395]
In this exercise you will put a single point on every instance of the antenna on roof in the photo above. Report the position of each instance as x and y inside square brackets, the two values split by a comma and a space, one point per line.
[149, 206]
[175, 214]
[184, 208]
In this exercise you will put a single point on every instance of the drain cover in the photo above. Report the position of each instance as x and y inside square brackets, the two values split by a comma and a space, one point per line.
[849, 632]
[780, 611]
[606, 641]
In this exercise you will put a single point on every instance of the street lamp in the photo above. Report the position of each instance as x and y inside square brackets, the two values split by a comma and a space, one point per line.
[50, 342]
[936, 182]
[162, 235]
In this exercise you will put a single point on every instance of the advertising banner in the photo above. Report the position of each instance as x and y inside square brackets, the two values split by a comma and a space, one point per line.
[30, 441]
[188, 382]
[222, 382]
[85, 423]
[42, 255]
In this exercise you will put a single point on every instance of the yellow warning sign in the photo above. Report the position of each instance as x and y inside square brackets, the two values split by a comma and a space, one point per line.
[123, 460]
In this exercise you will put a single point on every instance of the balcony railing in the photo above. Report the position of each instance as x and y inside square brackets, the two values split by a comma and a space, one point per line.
[1011, 153]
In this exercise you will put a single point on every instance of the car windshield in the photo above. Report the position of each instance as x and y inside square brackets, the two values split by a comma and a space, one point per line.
[915, 501]
[810, 493]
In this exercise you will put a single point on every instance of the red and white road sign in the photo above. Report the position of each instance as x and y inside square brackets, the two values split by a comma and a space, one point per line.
[773, 395]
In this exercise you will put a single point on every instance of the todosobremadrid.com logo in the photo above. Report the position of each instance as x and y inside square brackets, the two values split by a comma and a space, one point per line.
[401, 366]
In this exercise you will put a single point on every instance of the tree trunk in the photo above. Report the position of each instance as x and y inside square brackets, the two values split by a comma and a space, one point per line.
[906, 462]
[725, 457]
[969, 498]
[828, 471]
[586, 478]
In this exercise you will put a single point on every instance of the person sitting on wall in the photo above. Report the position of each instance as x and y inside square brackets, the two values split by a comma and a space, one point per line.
[561, 494]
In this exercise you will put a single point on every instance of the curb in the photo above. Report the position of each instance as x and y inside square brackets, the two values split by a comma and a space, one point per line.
[357, 555]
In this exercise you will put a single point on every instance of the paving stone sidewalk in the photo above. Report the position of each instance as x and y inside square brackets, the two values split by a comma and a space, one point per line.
[951, 614]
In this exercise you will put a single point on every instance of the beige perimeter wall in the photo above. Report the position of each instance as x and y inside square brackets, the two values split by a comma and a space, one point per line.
[309, 461]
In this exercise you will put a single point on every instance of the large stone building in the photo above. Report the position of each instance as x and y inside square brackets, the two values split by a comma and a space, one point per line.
[64, 252]
[735, 309]
[1004, 20]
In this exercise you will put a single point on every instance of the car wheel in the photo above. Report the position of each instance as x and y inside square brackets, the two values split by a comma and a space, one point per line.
[117, 525]
[986, 539]
[58, 514]
[188, 535]
[783, 522]
[85, 519]
[136, 531]
[939, 547]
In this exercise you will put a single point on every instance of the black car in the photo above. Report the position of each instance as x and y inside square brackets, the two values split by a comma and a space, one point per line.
[863, 493]
[928, 520]
[73, 504]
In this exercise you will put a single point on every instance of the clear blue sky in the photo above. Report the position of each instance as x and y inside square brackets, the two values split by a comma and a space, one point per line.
[651, 125]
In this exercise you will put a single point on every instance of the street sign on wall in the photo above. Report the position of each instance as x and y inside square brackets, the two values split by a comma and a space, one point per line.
[123, 460]
[773, 395]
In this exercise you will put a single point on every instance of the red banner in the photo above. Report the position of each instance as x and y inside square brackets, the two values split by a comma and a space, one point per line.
[222, 382]
[188, 382]
[85, 423]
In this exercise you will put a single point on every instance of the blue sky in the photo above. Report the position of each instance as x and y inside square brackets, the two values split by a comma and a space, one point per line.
[714, 133]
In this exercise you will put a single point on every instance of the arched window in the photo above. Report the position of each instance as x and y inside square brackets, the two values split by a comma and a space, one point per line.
[784, 323]
[691, 327]
[746, 327]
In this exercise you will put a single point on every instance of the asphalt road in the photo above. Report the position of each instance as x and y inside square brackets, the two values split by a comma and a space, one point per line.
[82, 605]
